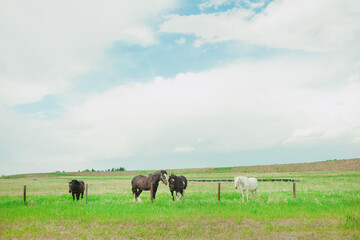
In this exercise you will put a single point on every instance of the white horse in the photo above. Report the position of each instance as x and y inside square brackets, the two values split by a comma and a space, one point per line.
[246, 184]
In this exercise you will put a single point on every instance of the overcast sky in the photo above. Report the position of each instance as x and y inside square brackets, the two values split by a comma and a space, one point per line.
[165, 84]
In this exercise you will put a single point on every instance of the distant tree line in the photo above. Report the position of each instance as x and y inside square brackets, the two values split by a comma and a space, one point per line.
[120, 169]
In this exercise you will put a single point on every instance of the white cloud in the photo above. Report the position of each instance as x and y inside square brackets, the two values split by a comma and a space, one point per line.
[45, 43]
[287, 101]
[185, 149]
[247, 105]
[214, 3]
[308, 132]
[324, 25]
[243, 106]
[217, 3]
[181, 41]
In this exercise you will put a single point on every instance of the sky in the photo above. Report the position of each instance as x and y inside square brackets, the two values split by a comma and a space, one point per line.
[167, 84]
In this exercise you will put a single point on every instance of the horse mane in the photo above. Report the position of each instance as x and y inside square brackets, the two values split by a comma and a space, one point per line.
[152, 176]
[155, 173]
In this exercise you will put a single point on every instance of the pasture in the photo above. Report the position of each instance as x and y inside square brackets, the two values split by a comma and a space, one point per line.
[327, 206]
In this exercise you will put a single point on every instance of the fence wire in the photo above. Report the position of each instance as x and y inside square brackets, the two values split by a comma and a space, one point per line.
[232, 180]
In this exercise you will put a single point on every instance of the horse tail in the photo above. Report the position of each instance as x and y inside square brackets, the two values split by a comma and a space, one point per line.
[134, 183]
[183, 178]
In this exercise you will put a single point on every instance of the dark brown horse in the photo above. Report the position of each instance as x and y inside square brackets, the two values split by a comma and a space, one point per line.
[77, 187]
[141, 183]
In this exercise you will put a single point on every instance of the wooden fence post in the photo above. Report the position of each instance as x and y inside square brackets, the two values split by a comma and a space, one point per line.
[151, 192]
[24, 193]
[294, 190]
[218, 191]
[86, 191]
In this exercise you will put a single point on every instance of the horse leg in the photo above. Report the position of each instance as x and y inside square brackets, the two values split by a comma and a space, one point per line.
[82, 195]
[172, 194]
[252, 194]
[73, 194]
[135, 198]
[77, 196]
[133, 189]
[247, 195]
[154, 191]
[138, 196]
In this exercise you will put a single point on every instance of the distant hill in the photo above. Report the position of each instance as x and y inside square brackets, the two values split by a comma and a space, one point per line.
[325, 166]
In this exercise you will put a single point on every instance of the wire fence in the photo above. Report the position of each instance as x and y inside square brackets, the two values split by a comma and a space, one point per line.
[232, 180]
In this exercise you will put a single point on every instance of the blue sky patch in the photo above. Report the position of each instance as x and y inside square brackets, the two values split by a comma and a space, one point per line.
[48, 108]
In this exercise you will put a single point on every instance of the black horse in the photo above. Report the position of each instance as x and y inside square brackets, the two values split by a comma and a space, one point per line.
[141, 183]
[77, 187]
[177, 184]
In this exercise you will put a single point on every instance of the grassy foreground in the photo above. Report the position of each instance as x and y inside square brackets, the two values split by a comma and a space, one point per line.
[327, 206]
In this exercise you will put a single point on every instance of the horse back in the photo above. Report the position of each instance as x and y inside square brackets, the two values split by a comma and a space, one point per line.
[82, 186]
[253, 183]
[141, 182]
[179, 183]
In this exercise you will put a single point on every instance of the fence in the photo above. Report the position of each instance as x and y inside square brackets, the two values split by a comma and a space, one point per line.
[231, 180]
[259, 180]
[204, 180]
[86, 193]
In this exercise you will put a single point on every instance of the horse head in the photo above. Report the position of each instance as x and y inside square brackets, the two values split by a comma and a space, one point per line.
[239, 181]
[74, 184]
[163, 176]
[171, 180]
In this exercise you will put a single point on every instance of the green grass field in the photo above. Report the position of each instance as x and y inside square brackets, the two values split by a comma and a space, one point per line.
[327, 206]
